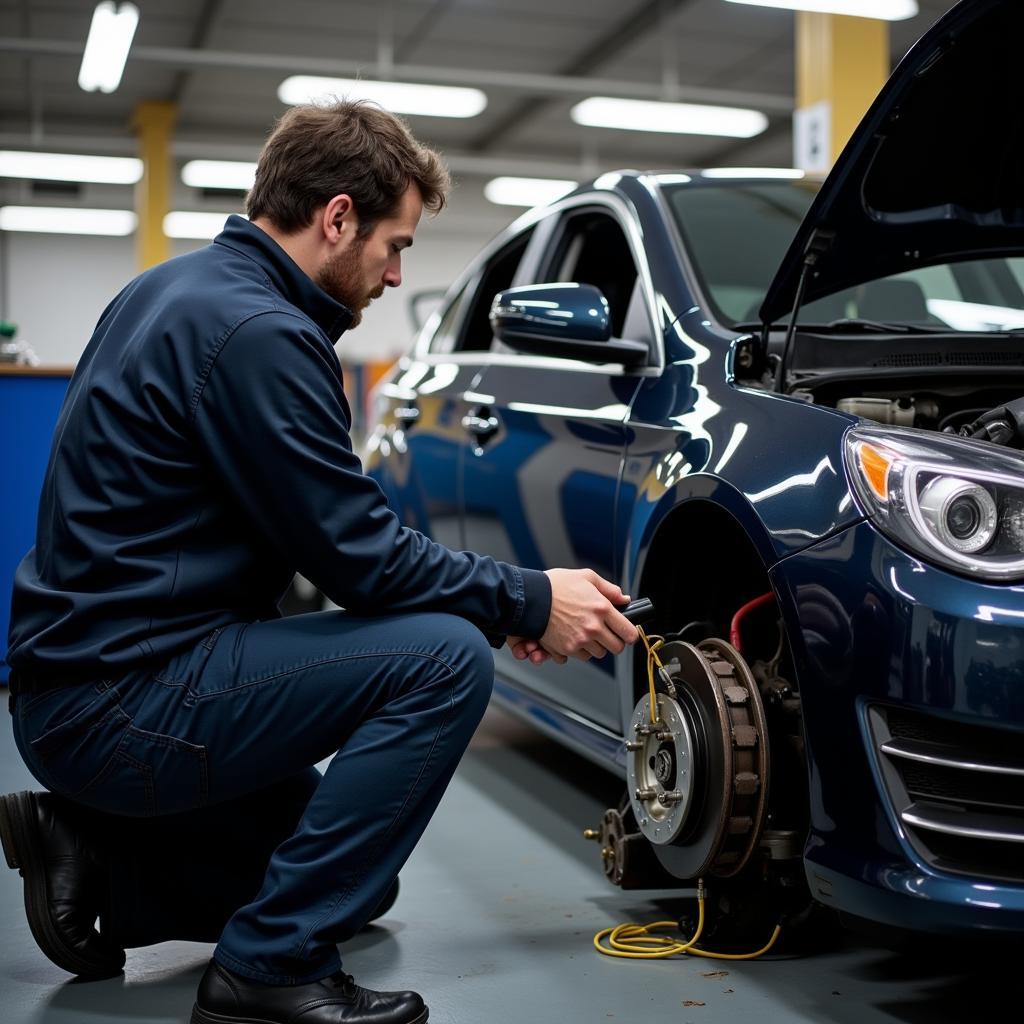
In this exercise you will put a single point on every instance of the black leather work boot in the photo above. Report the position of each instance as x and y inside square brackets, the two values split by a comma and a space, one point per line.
[65, 882]
[228, 998]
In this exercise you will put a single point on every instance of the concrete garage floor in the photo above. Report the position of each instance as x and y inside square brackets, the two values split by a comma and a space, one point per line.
[494, 924]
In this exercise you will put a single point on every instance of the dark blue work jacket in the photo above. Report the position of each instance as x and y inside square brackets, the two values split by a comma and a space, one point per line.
[201, 457]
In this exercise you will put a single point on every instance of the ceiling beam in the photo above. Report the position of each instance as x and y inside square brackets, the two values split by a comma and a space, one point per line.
[629, 27]
[555, 85]
[200, 37]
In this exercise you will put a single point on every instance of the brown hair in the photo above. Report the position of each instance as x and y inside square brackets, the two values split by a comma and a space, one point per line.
[350, 147]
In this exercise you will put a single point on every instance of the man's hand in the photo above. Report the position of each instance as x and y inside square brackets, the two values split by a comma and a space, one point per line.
[523, 649]
[585, 622]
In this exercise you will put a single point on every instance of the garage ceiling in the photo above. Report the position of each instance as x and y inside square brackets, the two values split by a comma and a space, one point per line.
[715, 51]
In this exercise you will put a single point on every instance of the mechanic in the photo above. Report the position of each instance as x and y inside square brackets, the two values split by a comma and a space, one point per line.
[201, 458]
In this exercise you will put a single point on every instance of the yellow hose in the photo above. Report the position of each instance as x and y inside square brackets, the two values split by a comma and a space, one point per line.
[652, 660]
[636, 941]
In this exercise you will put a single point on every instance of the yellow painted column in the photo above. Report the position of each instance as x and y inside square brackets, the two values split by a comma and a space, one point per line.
[841, 65]
[154, 130]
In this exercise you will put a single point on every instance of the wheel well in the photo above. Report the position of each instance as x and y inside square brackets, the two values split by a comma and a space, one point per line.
[703, 567]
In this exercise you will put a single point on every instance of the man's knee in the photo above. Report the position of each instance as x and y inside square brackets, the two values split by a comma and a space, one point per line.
[471, 659]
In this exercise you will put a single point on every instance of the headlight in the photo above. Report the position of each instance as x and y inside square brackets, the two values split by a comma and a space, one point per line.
[953, 501]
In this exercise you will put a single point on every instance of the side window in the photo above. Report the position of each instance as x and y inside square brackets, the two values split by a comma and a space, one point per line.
[444, 337]
[593, 250]
[496, 275]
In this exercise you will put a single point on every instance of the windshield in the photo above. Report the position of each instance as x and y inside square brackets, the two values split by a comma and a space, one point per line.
[738, 233]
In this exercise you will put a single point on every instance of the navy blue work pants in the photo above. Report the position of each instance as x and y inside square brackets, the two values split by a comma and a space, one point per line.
[200, 778]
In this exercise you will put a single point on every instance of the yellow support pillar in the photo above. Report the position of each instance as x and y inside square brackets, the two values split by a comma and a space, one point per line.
[154, 129]
[841, 64]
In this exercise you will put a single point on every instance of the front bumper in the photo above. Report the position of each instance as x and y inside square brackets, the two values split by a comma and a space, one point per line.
[881, 639]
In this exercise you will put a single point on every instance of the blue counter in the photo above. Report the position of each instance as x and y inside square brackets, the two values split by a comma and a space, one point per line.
[30, 399]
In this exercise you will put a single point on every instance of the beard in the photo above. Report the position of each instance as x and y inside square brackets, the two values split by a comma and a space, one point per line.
[342, 278]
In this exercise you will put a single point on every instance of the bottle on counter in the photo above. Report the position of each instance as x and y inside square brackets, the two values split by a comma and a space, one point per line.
[18, 352]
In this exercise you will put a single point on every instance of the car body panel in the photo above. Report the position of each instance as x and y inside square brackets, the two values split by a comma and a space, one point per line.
[418, 445]
[873, 625]
[549, 464]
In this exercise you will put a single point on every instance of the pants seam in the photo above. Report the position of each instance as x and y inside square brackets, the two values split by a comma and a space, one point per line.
[320, 663]
[358, 875]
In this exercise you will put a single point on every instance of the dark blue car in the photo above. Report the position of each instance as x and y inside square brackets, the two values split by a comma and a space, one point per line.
[789, 414]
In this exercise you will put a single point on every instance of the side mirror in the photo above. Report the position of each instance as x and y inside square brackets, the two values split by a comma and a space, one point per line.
[565, 319]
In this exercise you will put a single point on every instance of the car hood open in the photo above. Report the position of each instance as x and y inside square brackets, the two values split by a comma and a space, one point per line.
[934, 172]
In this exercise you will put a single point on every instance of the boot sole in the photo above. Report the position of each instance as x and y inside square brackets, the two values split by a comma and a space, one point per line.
[200, 1016]
[19, 835]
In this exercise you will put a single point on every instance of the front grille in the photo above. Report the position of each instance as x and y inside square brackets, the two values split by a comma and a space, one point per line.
[958, 790]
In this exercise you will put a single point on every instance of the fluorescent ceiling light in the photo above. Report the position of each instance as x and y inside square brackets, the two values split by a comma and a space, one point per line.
[752, 172]
[70, 220]
[110, 170]
[526, 191]
[234, 174]
[186, 224]
[400, 97]
[106, 49]
[885, 10]
[974, 316]
[680, 118]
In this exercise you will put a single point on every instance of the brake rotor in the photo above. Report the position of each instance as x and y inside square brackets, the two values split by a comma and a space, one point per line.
[698, 776]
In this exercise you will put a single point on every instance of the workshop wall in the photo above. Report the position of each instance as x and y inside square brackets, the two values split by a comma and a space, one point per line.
[56, 286]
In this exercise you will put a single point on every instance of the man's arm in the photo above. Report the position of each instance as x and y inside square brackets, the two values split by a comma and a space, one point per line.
[273, 422]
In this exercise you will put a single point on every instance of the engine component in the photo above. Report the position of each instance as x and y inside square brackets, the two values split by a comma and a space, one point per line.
[698, 775]
[900, 411]
[1003, 425]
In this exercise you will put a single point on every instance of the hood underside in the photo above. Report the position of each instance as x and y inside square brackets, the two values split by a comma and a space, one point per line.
[934, 172]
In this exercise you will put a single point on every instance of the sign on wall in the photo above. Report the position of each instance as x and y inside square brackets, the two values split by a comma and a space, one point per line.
[812, 137]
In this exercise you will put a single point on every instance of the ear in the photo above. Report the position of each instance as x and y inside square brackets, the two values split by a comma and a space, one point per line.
[338, 220]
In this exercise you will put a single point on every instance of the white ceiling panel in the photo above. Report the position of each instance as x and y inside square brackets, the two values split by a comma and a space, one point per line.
[704, 44]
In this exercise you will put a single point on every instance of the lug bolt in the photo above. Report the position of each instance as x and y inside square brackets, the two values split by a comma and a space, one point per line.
[673, 796]
[591, 833]
[646, 794]
[634, 745]
[664, 737]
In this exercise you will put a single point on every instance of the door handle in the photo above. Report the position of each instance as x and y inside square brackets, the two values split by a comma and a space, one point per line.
[406, 414]
[480, 423]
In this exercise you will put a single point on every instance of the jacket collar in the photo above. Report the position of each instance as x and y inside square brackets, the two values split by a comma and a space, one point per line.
[286, 275]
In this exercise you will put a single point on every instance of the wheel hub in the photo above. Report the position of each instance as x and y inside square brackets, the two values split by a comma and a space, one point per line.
[698, 774]
[659, 771]
[664, 766]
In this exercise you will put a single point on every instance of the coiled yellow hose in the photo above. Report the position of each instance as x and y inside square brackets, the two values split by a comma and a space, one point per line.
[636, 941]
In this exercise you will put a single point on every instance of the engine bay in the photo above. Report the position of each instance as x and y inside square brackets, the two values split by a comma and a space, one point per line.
[951, 383]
